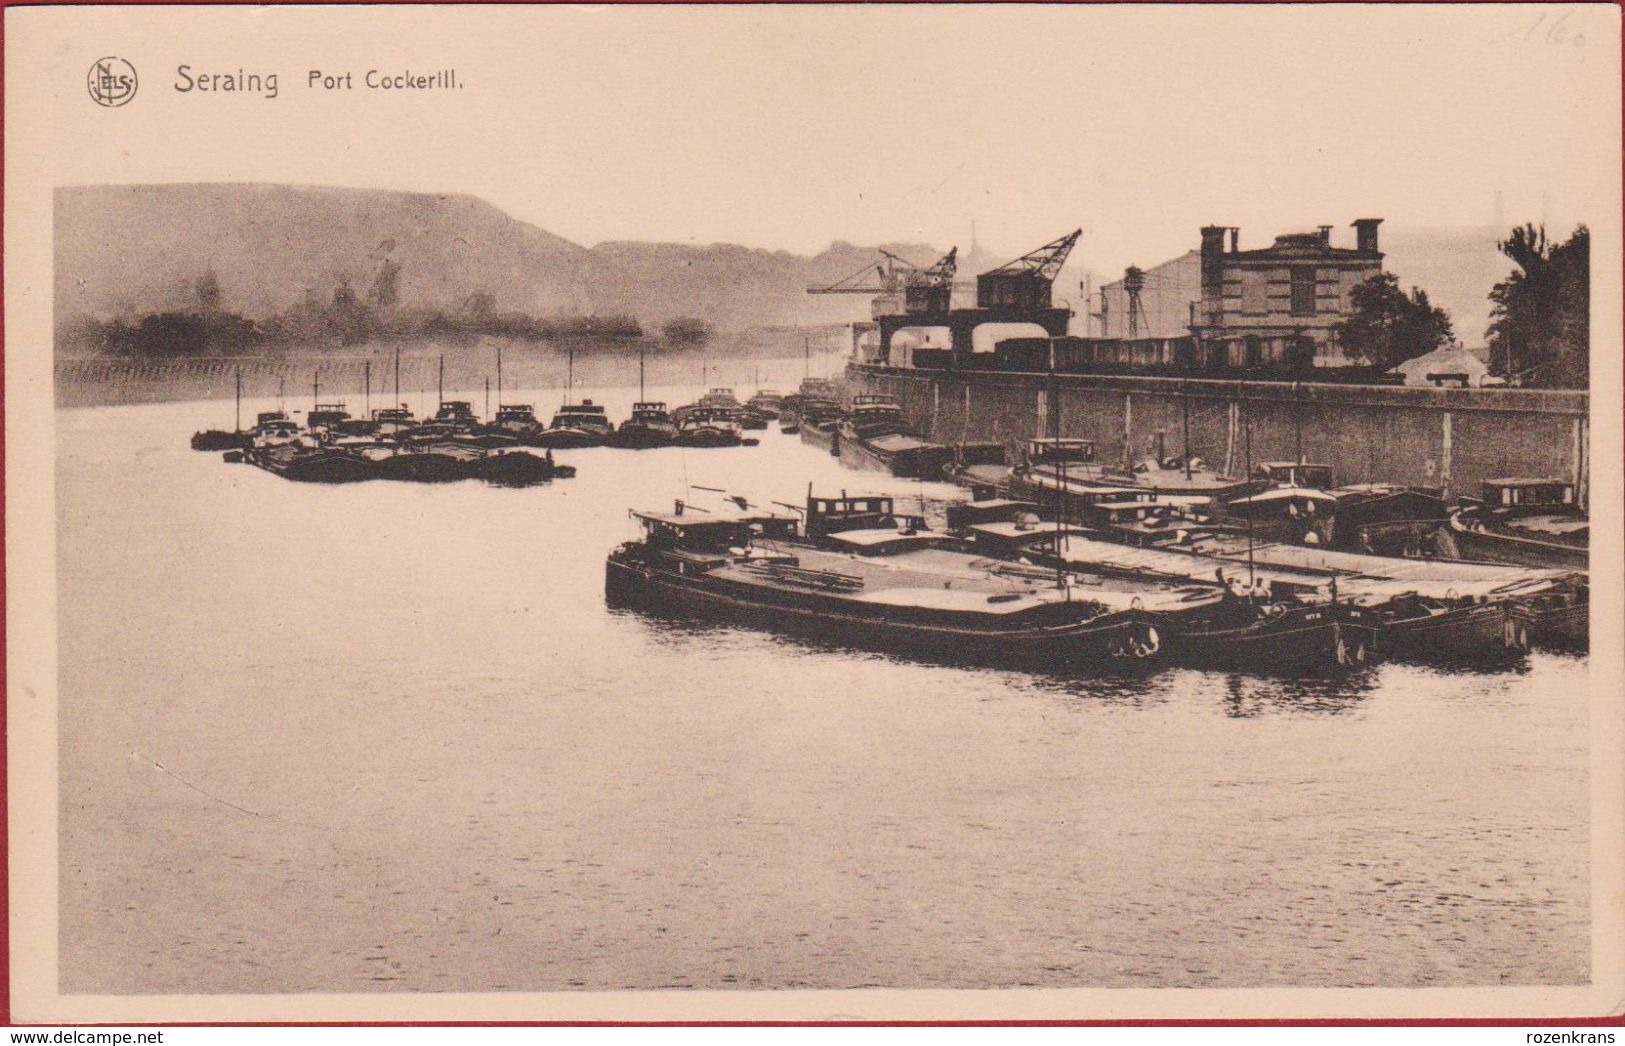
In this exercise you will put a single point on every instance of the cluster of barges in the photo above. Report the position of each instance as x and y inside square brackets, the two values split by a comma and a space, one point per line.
[334, 447]
[1002, 582]
[1518, 521]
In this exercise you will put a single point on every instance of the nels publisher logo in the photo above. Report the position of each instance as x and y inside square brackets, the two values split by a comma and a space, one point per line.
[111, 82]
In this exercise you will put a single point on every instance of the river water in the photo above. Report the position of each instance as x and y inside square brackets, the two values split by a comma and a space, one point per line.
[387, 737]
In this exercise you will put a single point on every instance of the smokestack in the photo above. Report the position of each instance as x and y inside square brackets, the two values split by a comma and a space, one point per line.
[1365, 234]
[1212, 270]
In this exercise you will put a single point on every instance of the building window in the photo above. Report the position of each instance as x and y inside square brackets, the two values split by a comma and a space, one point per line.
[1255, 290]
[1303, 292]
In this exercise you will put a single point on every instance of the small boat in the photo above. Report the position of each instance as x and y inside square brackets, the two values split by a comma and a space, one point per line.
[650, 425]
[1067, 466]
[517, 420]
[439, 462]
[708, 427]
[718, 399]
[305, 463]
[1534, 522]
[325, 416]
[390, 421]
[273, 428]
[818, 422]
[220, 439]
[1561, 616]
[580, 425]
[516, 467]
[351, 428]
[875, 435]
[789, 424]
[766, 402]
[819, 389]
[1385, 518]
[281, 449]
[453, 418]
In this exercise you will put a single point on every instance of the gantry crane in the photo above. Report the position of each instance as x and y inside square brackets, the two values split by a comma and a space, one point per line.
[1026, 282]
[900, 287]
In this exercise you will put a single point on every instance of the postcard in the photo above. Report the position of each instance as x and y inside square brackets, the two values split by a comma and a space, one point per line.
[807, 512]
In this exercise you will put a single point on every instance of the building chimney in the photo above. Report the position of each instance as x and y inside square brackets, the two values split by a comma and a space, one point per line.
[1365, 234]
[1212, 269]
[1326, 235]
[1235, 240]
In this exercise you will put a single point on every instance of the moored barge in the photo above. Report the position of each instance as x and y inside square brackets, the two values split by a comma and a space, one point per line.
[882, 587]
[1532, 522]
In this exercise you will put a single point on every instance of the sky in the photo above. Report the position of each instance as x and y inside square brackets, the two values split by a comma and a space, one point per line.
[791, 127]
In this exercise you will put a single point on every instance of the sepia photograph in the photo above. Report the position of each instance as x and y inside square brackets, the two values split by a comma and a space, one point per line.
[811, 512]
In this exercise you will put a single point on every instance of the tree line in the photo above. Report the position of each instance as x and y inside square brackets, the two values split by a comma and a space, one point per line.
[1540, 330]
[344, 319]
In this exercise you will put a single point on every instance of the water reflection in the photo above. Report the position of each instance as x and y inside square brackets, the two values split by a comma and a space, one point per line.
[1249, 696]
[665, 626]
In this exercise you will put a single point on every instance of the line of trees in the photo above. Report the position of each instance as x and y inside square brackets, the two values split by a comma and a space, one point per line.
[345, 318]
[1540, 330]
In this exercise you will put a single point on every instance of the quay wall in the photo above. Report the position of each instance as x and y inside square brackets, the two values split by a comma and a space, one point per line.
[1450, 438]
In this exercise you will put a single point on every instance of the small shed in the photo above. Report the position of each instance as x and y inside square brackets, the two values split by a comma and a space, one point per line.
[1449, 366]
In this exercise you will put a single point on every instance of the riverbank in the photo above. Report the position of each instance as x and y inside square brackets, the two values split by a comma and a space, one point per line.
[347, 373]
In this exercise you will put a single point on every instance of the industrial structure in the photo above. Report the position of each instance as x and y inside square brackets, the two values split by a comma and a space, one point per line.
[1223, 307]
[907, 297]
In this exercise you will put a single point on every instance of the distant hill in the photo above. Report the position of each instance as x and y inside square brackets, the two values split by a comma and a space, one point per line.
[137, 248]
[125, 250]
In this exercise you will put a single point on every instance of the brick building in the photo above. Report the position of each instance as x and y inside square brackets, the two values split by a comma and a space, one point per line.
[1244, 308]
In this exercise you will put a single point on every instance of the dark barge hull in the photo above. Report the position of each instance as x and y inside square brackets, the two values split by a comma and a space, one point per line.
[1495, 547]
[331, 467]
[219, 439]
[1118, 640]
[423, 467]
[1562, 622]
[709, 438]
[639, 437]
[1316, 640]
[823, 439]
[567, 439]
[1485, 631]
[516, 469]
[923, 462]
